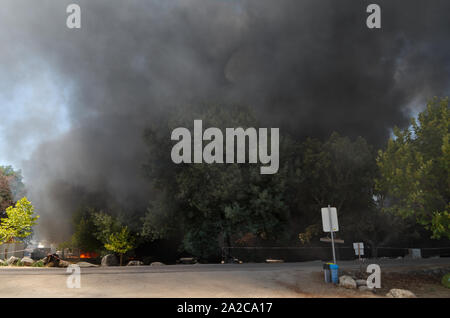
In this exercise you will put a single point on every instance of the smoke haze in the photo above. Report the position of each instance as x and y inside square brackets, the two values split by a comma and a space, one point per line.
[308, 67]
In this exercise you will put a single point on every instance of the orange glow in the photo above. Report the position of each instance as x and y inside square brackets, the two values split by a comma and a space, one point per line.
[88, 255]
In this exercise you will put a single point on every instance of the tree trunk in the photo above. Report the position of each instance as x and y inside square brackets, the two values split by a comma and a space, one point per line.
[374, 249]
[121, 257]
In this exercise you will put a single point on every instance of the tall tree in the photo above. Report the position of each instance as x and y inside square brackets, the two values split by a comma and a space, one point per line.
[19, 221]
[213, 205]
[6, 198]
[120, 242]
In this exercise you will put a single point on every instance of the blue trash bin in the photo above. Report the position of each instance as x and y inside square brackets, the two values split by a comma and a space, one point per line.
[334, 268]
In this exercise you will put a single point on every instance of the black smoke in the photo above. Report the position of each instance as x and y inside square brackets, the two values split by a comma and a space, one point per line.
[308, 67]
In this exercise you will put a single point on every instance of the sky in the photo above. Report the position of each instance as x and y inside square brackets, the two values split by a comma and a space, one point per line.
[40, 100]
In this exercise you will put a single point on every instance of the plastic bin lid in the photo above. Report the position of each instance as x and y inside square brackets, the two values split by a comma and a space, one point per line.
[334, 266]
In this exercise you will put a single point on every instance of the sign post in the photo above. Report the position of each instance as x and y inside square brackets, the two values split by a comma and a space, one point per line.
[330, 224]
[359, 250]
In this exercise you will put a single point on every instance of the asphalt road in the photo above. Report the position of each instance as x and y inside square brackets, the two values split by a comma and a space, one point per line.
[199, 280]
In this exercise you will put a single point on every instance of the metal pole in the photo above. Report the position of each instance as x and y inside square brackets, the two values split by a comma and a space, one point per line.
[359, 256]
[332, 236]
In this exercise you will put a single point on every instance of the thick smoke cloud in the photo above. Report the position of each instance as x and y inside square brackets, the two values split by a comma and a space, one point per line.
[308, 67]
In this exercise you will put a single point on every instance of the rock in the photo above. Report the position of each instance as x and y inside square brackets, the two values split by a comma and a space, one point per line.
[274, 261]
[157, 264]
[400, 293]
[361, 282]
[187, 260]
[347, 282]
[86, 264]
[365, 288]
[12, 260]
[110, 260]
[135, 263]
[27, 261]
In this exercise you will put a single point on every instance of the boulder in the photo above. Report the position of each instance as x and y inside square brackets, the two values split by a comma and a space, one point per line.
[63, 263]
[86, 264]
[110, 260]
[400, 293]
[2, 263]
[361, 282]
[157, 264]
[365, 288]
[187, 260]
[12, 260]
[135, 263]
[27, 261]
[52, 260]
[274, 261]
[347, 282]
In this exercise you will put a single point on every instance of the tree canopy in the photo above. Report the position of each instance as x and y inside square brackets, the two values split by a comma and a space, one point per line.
[19, 221]
[415, 169]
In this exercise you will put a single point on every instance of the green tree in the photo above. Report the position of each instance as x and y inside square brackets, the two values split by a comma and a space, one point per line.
[415, 169]
[19, 221]
[339, 172]
[85, 235]
[15, 180]
[120, 242]
[6, 198]
[92, 229]
[212, 205]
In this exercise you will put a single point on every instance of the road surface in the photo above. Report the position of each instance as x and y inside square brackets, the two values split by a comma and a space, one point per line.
[199, 280]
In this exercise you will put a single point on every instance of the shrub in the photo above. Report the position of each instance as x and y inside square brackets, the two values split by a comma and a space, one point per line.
[39, 263]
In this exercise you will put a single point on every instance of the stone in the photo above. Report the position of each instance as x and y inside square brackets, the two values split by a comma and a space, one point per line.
[400, 293]
[12, 260]
[187, 260]
[361, 282]
[365, 288]
[86, 264]
[110, 260]
[63, 263]
[347, 282]
[157, 264]
[27, 261]
[274, 261]
[135, 263]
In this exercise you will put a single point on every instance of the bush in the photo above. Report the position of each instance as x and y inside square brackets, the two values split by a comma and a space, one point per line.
[18, 263]
[446, 280]
[39, 263]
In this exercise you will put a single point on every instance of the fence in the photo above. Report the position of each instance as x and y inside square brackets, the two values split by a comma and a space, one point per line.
[323, 253]
[12, 249]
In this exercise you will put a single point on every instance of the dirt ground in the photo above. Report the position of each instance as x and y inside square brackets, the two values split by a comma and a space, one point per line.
[423, 285]
[217, 281]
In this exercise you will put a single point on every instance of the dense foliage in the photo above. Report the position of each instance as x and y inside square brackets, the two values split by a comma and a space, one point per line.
[381, 197]
[415, 169]
[18, 222]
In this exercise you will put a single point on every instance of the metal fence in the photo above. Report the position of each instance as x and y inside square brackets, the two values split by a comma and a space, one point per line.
[323, 253]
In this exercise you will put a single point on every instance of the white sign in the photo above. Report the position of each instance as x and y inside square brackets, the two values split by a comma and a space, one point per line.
[326, 219]
[359, 248]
